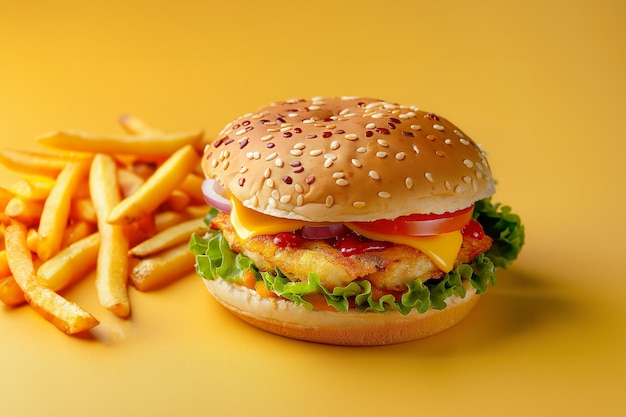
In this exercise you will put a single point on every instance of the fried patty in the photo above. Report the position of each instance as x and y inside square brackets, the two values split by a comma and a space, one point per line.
[390, 268]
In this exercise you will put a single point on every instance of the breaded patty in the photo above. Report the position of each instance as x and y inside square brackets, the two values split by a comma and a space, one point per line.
[390, 268]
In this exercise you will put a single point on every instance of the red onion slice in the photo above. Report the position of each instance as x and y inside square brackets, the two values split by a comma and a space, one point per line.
[214, 195]
[324, 232]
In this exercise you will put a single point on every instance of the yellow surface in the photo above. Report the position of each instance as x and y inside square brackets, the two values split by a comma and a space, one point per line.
[540, 83]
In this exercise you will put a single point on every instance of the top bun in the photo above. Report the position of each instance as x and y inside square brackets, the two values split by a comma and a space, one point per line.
[347, 159]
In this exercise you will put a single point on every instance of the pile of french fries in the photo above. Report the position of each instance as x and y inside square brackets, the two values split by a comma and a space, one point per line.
[122, 206]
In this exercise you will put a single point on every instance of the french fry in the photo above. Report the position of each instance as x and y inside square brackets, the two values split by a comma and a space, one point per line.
[151, 145]
[178, 200]
[157, 188]
[112, 269]
[129, 181]
[77, 231]
[169, 237]
[65, 315]
[32, 239]
[4, 264]
[10, 293]
[71, 264]
[192, 186]
[56, 209]
[82, 209]
[33, 187]
[135, 126]
[160, 270]
[5, 197]
[27, 212]
[38, 163]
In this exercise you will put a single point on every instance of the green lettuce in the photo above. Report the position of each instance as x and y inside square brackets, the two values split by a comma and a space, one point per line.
[215, 259]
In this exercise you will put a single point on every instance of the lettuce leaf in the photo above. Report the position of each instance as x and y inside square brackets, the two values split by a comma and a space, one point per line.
[215, 259]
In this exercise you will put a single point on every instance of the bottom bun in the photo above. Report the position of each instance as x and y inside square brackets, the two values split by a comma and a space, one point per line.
[352, 328]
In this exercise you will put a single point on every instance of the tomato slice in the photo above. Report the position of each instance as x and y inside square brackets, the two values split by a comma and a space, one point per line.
[421, 224]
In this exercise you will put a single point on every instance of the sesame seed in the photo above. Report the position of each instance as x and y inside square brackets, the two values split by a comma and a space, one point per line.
[447, 141]
[381, 154]
[267, 173]
[329, 201]
[447, 185]
[464, 141]
[370, 126]
[479, 175]
[415, 149]
[356, 163]
[468, 163]
[438, 127]
[273, 129]
[383, 143]
[275, 194]
[351, 136]
[299, 200]
[467, 179]
[337, 175]
[314, 107]
[296, 152]
[408, 182]
[225, 164]
[298, 188]
[431, 137]
[361, 149]
[214, 163]
[331, 126]
[374, 175]
[439, 153]
[459, 188]
[279, 162]
[269, 183]
[334, 145]
[416, 127]
[285, 199]
[272, 202]
[243, 170]
[400, 156]
[271, 156]
[384, 194]
[316, 152]
[429, 177]
[358, 204]
[458, 133]
[328, 162]
[342, 182]
[299, 146]
[240, 132]
[254, 201]
[286, 127]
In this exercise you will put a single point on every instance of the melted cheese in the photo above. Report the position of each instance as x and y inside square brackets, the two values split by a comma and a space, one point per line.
[441, 249]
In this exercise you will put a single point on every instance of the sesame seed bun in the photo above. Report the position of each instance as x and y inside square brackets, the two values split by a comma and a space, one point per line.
[352, 328]
[347, 159]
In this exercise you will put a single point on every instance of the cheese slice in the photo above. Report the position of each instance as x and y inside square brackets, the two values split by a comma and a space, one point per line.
[441, 249]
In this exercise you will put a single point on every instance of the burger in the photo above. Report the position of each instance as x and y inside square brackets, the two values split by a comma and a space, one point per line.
[350, 221]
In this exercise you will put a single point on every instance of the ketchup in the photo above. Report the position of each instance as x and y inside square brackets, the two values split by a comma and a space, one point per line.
[353, 244]
[474, 229]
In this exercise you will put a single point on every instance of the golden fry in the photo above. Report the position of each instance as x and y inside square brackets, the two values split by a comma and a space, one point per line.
[129, 181]
[38, 163]
[178, 200]
[70, 264]
[82, 209]
[77, 231]
[135, 126]
[156, 189]
[172, 236]
[159, 270]
[56, 209]
[192, 186]
[139, 145]
[4, 264]
[10, 293]
[5, 197]
[27, 212]
[34, 187]
[112, 269]
[65, 315]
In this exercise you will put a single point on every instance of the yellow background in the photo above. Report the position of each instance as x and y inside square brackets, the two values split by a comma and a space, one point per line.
[540, 83]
